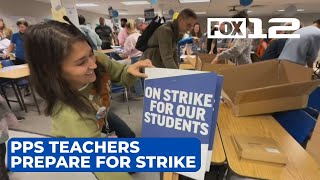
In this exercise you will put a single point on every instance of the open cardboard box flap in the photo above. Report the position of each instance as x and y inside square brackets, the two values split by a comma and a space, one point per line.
[276, 92]
[202, 63]
[266, 87]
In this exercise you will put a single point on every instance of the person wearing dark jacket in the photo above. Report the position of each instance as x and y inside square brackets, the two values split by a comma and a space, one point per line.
[162, 45]
[274, 50]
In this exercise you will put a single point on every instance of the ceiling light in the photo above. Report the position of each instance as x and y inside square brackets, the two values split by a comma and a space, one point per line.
[281, 10]
[130, 3]
[193, 1]
[249, 11]
[123, 13]
[87, 5]
[300, 10]
[201, 12]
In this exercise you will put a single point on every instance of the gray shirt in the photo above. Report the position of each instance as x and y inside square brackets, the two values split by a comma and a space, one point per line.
[303, 50]
[239, 53]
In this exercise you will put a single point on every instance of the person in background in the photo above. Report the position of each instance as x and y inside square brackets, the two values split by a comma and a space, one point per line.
[115, 34]
[123, 34]
[134, 55]
[129, 46]
[196, 34]
[17, 43]
[7, 119]
[212, 43]
[140, 24]
[105, 34]
[4, 31]
[5, 36]
[203, 42]
[275, 47]
[123, 22]
[90, 33]
[163, 43]
[303, 50]
[80, 96]
[222, 43]
[240, 51]
[263, 45]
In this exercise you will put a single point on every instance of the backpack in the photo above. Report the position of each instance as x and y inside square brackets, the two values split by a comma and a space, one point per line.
[93, 46]
[142, 43]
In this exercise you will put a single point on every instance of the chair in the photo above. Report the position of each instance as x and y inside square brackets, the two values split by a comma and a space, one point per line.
[298, 123]
[20, 84]
[118, 88]
[4, 82]
[314, 99]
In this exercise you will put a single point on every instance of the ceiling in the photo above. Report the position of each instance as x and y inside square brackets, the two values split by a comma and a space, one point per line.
[212, 9]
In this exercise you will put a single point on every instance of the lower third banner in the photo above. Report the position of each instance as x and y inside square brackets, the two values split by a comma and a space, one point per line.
[104, 155]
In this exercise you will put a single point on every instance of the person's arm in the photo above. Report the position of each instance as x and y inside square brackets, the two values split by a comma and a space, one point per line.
[166, 49]
[213, 45]
[233, 52]
[121, 37]
[119, 72]
[95, 38]
[313, 56]
[67, 122]
[99, 41]
[9, 50]
[11, 46]
[128, 46]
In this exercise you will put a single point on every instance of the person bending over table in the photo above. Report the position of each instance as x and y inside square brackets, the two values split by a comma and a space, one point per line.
[75, 83]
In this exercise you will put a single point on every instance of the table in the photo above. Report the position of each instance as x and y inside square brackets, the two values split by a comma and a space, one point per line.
[300, 164]
[15, 72]
[218, 156]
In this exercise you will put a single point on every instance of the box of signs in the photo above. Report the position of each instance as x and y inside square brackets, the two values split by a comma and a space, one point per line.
[177, 104]
[202, 62]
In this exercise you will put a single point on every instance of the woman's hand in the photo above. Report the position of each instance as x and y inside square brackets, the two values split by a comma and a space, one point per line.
[134, 69]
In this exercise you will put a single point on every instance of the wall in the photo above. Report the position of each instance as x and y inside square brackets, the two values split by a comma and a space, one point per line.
[34, 12]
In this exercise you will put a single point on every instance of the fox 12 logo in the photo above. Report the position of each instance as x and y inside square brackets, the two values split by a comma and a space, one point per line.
[237, 28]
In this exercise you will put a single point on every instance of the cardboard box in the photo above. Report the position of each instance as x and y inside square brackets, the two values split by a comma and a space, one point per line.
[260, 149]
[202, 62]
[267, 87]
[314, 143]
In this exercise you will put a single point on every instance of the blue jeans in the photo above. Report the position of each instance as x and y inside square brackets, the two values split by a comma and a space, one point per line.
[139, 85]
[117, 125]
